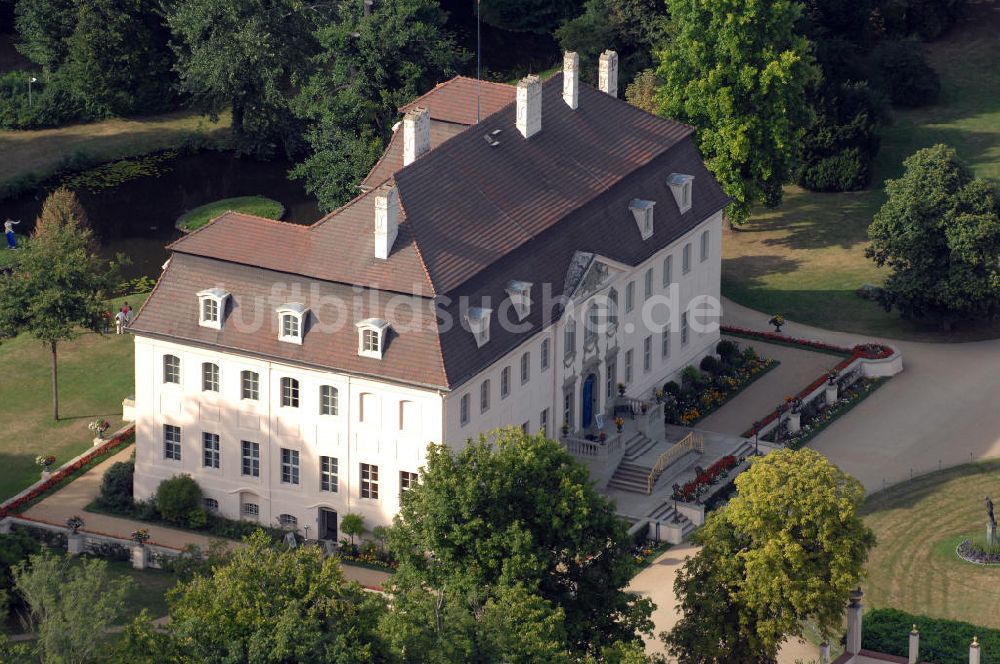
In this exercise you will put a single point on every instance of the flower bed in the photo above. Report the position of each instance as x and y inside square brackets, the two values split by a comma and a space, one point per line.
[869, 351]
[69, 472]
[705, 478]
[644, 553]
[827, 414]
[722, 387]
[978, 553]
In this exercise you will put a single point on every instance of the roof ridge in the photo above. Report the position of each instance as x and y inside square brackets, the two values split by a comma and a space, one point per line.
[442, 84]
[149, 297]
[416, 245]
[229, 214]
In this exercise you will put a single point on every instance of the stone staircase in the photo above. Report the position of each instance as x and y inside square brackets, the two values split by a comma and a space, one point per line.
[636, 446]
[630, 477]
[666, 513]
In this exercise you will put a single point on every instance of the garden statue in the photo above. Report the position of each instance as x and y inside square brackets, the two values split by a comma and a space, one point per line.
[989, 511]
[991, 524]
[777, 320]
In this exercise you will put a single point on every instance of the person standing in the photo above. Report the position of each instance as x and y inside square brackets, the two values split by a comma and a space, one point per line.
[8, 229]
[119, 322]
[127, 312]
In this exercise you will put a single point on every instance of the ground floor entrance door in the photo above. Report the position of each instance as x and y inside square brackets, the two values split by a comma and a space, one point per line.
[327, 524]
[587, 405]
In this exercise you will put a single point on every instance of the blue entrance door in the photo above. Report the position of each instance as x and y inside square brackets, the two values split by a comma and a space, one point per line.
[588, 401]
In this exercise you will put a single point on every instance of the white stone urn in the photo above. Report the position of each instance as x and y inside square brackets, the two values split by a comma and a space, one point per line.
[831, 394]
[794, 422]
[139, 556]
[99, 441]
[46, 474]
[74, 544]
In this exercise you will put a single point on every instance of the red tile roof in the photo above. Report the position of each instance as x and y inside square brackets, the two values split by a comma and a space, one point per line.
[392, 159]
[455, 100]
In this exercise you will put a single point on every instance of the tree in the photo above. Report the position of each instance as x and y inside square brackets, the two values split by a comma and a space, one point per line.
[540, 16]
[43, 27]
[367, 67]
[14, 548]
[788, 548]
[250, 55]
[517, 509]
[72, 605]
[352, 525]
[939, 233]
[268, 604]
[742, 83]
[60, 283]
[641, 92]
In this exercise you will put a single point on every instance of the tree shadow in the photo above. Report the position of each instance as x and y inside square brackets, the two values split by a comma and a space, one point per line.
[750, 270]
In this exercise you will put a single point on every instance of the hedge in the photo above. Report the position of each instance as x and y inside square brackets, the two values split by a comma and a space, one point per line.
[941, 641]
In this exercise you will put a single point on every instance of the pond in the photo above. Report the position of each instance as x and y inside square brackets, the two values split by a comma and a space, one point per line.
[137, 217]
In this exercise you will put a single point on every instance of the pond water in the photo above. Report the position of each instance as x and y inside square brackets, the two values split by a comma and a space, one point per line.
[137, 217]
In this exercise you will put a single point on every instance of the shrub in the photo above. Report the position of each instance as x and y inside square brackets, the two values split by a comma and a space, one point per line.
[13, 549]
[900, 70]
[749, 355]
[197, 518]
[727, 349]
[710, 364]
[177, 497]
[116, 486]
[941, 641]
[672, 388]
[690, 376]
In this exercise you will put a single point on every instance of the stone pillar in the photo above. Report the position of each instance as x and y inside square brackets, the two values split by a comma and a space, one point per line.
[824, 653]
[74, 544]
[139, 556]
[854, 622]
[974, 651]
[46, 475]
[832, 392]
[794, 422]
[5, 526]
[914, 646]
[98, 442]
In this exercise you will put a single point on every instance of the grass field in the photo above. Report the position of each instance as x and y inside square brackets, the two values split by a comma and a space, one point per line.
[95, 374]
[918, 524]
[256, 205]
[40, 152]
[806, 258]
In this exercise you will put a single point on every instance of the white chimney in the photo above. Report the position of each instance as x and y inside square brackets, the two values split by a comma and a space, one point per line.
[853, 645]
[914, 652]
[571, 79]
[386, 219]
[607, 73]
[529, 106]
[416, 134]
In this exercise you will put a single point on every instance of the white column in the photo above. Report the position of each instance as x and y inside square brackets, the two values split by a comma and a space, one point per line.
[914, 653]
[854, 622]
[974, 651]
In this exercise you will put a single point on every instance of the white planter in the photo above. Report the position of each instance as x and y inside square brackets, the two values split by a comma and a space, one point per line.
[98, 442]
[138, 556]
[794, 422]
[832, 392]
[74, 544]
[46, 474]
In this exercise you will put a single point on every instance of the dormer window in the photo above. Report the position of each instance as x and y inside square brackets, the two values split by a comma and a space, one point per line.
[291, 322]
[371, 337]
[212, 307]
[479, 324]
[643, 212]
[680, 185]
[520, 298]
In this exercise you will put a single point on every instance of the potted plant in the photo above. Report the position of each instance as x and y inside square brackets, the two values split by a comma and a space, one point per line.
[620, 423]
[621, 389]
[565, 428]
[602, 436]
[832, 389]
[777, 320]
[794, 414]
[643, 407]
[74, 523]
[831, 377]
[658, 394]
[139, 538]
[45, 461]
[99, 426]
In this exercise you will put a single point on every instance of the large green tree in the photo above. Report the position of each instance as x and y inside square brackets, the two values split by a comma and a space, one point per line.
[247, 55]
[788, 548]
[43, 26]
[738, 70]
[60, 284]
[939, 233]
[368, 66]
[540, 16]
[512, 509]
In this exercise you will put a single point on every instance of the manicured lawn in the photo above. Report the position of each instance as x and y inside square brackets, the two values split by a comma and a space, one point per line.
[40, 152]
[918, 524]
[255, 205]
[806, 258]
[95, 374]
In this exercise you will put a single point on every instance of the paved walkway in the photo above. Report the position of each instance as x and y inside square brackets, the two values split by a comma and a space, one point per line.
[72, 500]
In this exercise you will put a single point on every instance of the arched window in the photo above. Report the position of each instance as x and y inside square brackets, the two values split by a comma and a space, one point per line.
[612, 308]
[288, 521]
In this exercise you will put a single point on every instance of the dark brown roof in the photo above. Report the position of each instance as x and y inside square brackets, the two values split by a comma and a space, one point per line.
[171, 311]
[392, 159]
[455, 100]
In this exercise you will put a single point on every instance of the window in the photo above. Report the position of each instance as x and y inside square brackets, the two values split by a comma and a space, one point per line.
[647, 354]
[643, 213]
[484, 396]
[611, 380]
[291, 319]
[407, 480]
[210, 450]
[704, 246]
[569, 337]
[290, 392]
[209, 377]
[211, 306]
[591, 324]
[665, 343]
[329, 400]
[328, 474]
[525, 367]
[369, 481]
[629, 296]
[686, 195]
[251, 510]
[463, 415]
[612, 308]
[505, 382]
[525, 426]
[287, 521]
[211, 504]
[289, 466]
[520, 298]
[372, 337]
[543, 422]
[628, 366]
[680, 186]
[171, 442]
[686, 259]
[649, 283]
[684, 329]
[249, 385]
[668, 271]
[569, 400]
[171, 369]
[250, 459]
[209, 310]
[545, 354]
[479, 324]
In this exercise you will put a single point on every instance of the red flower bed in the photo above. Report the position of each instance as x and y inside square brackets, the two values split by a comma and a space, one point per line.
[15, 506]
[691, 490]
